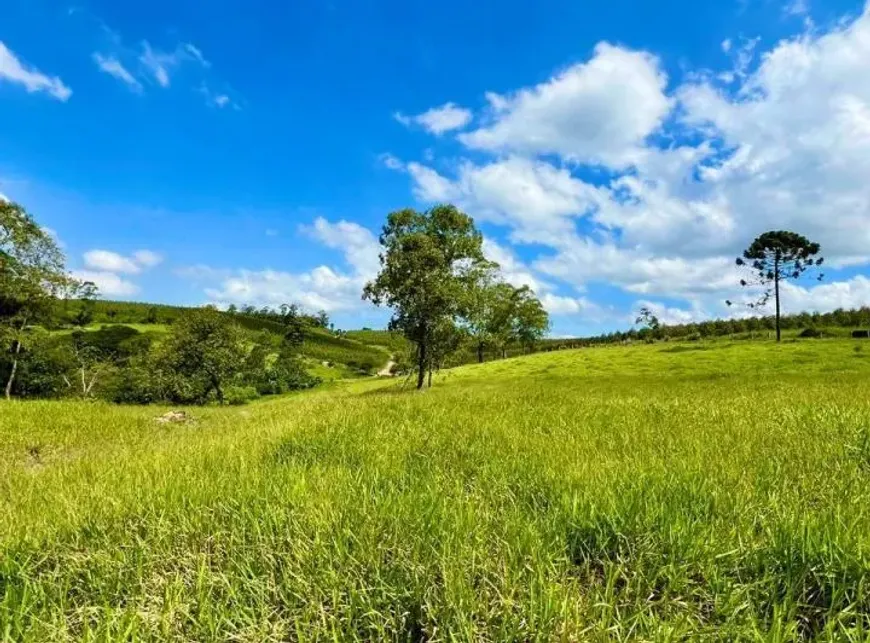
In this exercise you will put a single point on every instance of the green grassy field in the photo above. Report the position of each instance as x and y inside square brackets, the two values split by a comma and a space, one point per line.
[666, 492]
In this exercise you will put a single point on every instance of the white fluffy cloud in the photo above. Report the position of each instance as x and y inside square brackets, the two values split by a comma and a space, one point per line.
[323, 288]
[13, 70]
[358, 245]
[512, 269]
[147, 258]
[112, 66]
[799, 131]
[599, 111]
[108, 283]
[320, 289]
[655, 191]
[559, 305]
[535, 198]
[109, 261]
[584, 260]
[438, 120]
[106, 269]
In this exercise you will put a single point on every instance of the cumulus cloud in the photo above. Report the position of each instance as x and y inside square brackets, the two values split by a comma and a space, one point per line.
[108, 283]
[320, 289]
[147, 258]
[584, 260]
[599, 111]
[13, 70]
[438, 120]
[655, 191]
[106, 269]
[358, 245]
[558, 305]
[512, 269]
[323, 288]
[114, 262]
[535, 198]
[110, 261]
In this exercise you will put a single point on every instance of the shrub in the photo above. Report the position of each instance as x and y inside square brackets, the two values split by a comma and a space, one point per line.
[135, 384]
[237, 395]
[808, 333]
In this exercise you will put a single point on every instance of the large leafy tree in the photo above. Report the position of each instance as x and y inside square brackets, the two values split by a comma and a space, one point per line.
[204, 349]
[427, 263]
[32, 275]
[777, 256]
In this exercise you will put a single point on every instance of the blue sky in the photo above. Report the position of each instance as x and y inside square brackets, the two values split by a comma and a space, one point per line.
[615, 154]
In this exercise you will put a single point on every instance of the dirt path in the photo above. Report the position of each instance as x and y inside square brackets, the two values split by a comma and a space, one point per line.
[386, 371]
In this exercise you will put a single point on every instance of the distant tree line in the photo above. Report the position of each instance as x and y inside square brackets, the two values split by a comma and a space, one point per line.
[744, 328]
[281, 313]
[206, 355]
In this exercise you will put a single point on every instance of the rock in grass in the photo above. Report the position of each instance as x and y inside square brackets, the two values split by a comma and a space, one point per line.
[174, 417]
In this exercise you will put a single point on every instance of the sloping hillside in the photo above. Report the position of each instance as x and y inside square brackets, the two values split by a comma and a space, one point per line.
[655, 492]
[319, 345]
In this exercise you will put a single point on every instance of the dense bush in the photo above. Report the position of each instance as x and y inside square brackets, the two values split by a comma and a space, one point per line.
[236, 395]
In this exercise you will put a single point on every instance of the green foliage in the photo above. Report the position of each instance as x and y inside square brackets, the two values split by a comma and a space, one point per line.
[32, 274]
[238, 395]
[618, 493]
[203, 351]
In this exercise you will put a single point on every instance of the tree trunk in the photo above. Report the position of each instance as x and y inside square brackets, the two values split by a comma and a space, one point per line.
[480, 353]
[11, 379]
[218, 390]
[421, 365]
[14, 369]
[776, 294]
[430, 377]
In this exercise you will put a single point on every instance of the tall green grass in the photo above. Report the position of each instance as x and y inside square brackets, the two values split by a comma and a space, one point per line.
[669, 492]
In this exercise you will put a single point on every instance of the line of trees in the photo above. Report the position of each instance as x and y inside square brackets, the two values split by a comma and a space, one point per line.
[281, 314]
[206, 355]
[443, 291]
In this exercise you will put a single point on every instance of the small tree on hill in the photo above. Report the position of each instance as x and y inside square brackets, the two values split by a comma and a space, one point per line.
[86, 293]
[479, 303]
[777, 256]
[426, 265]
[531, 321]
[294, 327]
[648, 321]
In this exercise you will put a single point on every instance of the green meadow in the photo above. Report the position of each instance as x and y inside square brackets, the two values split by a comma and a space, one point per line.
[666, 492]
